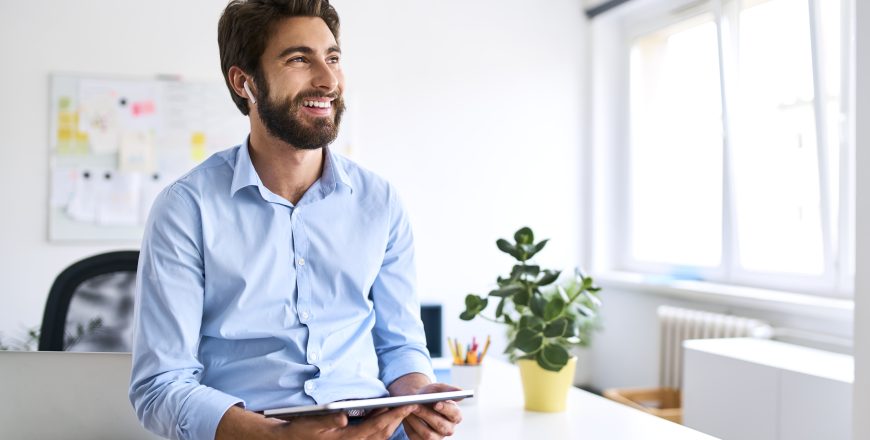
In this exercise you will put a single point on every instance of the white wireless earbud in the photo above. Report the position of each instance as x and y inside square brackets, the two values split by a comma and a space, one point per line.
[250, 95]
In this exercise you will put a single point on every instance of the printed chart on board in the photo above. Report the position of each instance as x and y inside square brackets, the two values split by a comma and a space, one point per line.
[115, 143]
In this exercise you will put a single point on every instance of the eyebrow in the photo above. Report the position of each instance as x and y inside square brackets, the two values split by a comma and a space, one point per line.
[306, 50]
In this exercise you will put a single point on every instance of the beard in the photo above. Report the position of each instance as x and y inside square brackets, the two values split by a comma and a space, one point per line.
[282, 119]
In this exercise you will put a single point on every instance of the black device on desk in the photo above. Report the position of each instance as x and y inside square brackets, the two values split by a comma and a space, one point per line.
[432, 319]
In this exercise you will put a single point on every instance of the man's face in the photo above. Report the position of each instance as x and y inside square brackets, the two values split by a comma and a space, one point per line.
[299, 98]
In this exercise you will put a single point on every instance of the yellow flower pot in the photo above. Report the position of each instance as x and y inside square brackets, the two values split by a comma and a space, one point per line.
[544, 390]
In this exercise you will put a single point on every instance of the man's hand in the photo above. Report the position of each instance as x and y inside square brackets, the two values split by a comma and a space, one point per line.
[427, 421]
[240, 424]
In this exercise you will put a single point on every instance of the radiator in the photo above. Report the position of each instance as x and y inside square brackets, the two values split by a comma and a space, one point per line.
[677, 325]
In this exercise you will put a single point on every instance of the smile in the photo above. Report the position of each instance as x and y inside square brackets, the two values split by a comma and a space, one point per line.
[317, 104]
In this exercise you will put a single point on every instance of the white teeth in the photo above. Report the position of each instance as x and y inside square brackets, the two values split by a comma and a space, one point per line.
[319, 104]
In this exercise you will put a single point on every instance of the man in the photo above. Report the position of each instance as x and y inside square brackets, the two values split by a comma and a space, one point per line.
[278, 273]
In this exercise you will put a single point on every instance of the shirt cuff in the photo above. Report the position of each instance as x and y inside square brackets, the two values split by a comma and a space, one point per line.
[399, 364]
[203, 411]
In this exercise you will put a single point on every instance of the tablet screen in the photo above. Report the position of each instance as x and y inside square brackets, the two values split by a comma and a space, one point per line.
[359, 407]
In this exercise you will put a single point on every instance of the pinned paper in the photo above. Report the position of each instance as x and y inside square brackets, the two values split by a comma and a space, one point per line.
[136, 153]
[108, 108]
[118, 198]
[83, 202]
[99, 119]
[63, 186]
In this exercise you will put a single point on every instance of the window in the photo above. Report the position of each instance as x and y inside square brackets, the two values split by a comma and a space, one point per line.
[737, 166]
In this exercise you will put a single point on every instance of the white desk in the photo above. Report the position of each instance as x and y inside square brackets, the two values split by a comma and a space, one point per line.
[499, 414]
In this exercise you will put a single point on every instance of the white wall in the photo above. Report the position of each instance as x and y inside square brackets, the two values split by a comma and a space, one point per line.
[38, 37]
[472, 109]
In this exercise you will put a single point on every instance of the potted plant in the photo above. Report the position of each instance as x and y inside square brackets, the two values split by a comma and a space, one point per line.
[544, 320]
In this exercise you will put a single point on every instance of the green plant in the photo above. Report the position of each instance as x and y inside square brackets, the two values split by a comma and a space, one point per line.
[544, 319]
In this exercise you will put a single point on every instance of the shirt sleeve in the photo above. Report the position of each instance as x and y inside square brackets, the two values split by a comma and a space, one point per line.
[399, 339]
[164, 386]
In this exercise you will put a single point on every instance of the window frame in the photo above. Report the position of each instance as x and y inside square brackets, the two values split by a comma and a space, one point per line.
[838, 259]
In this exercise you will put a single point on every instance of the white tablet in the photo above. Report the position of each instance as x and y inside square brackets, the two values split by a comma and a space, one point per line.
[359, 408]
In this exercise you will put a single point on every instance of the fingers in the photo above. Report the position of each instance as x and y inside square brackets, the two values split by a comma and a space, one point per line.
[417, 429]
[324, 422]
[437, 422]
[380, 426]
[450, 410]
[438, 388]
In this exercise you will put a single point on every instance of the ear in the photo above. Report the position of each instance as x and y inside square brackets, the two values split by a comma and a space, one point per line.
[237, 79]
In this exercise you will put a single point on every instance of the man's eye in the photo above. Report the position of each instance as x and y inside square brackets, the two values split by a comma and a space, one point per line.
[296, 60]
[332, 60]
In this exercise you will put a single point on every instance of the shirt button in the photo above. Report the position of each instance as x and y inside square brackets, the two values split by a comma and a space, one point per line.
[312, 356]
[304, 315]
[301, 262]
[309, 386]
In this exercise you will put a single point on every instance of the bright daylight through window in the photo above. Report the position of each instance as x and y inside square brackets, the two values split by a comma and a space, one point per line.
[737, 160]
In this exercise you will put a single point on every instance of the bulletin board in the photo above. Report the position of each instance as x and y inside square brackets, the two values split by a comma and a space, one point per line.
[115, 143]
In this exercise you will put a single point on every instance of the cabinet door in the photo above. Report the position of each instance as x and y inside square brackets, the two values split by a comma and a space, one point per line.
[814, 408]
[729, 398]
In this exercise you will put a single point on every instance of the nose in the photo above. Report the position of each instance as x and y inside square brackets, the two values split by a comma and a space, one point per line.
[326, 77]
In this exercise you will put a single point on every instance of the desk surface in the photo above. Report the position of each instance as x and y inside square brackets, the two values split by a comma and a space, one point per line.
[499, 414]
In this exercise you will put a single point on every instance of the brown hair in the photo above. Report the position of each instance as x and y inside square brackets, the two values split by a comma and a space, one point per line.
[246, 26]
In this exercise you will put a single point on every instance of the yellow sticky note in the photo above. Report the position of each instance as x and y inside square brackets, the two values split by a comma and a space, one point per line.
[197, 146]
[66, 118]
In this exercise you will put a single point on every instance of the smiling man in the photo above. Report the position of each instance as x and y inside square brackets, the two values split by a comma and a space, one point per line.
[278, 273]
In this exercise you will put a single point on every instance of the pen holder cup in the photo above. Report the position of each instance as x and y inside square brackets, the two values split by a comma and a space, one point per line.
[467, 377]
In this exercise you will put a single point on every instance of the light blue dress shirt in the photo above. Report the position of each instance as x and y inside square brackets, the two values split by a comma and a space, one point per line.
[243, 298]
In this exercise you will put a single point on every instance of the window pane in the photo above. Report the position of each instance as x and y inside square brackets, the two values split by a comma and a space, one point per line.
[775, 149]
[675, 193]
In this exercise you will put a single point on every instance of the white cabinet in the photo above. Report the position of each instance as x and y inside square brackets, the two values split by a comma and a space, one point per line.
[753, 389]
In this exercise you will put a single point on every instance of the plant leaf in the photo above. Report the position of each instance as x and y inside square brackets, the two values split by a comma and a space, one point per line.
[554, 308]
[533, 249]
[555, 355]
[556, 328]
[537, 305]
[473, 305]
[545, 363]
[507, 291]
[532, 322]
[524, 236]
[585, 311]
[529, 340]
[505, 246]
[520, 269]
[548, 277]
[472, 301]
[499, 310]
[522, 298]
[593, 300]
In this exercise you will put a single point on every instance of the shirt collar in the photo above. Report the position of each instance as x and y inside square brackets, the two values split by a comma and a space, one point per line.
[334, 172]
[244, 173]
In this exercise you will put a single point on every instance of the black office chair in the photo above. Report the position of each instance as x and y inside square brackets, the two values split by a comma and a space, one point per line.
[90, 305]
